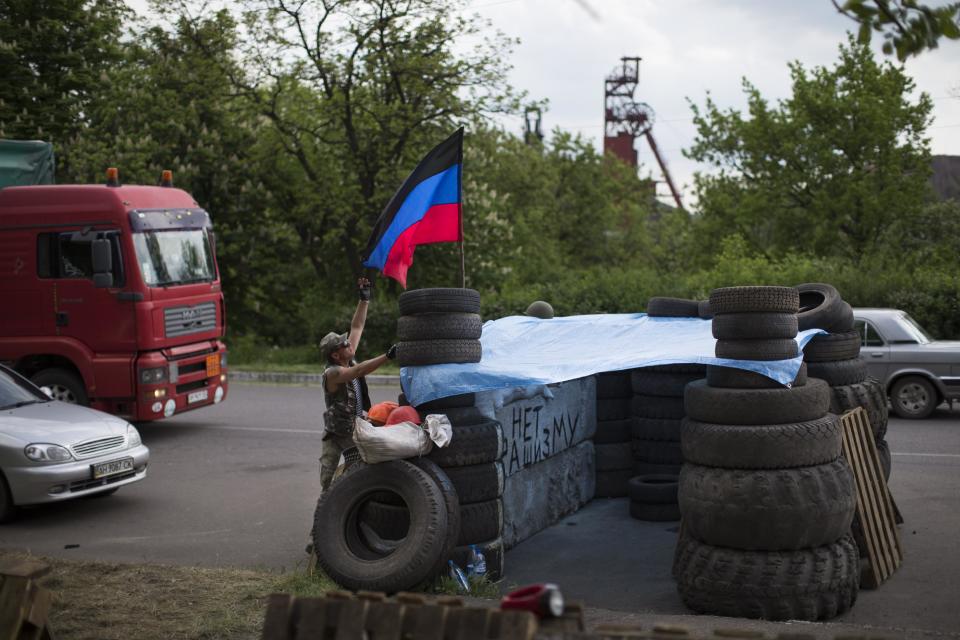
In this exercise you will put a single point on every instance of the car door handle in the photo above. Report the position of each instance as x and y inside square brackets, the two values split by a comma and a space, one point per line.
[876, 355]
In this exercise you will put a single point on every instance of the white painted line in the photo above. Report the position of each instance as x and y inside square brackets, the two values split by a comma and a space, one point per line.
[930, 455]
[312, 432]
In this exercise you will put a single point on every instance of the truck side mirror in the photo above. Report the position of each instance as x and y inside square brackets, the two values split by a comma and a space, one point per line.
[102, 263]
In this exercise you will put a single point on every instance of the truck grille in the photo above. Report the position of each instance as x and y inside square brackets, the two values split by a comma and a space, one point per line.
[96, 447]
[181, 321]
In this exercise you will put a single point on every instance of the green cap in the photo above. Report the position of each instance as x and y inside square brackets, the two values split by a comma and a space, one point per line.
[331, 342]
[540, 309]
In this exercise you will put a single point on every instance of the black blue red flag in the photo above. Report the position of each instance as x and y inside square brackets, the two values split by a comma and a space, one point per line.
[426, 209]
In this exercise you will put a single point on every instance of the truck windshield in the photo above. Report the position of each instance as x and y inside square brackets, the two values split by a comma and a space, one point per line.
[174, 257]
[915, 330]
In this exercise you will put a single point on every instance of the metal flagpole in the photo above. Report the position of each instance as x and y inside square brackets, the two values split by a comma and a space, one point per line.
[463, 271]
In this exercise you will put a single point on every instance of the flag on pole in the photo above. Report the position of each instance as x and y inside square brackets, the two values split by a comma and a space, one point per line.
[425, 209]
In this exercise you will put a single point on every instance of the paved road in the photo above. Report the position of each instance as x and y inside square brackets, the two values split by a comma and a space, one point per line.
[236, 485]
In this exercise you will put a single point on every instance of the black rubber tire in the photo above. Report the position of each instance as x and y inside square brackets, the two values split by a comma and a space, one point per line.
[613, 457]
[808, 584]
[766, 446]
[439, 300]
[820, 307]
[654, 489]
[471, 444]
[703, 310]
[754, 326]
[417, 353]
[832, 347]
[839, 372]
[754, 300]
[452, 504]
[883, 453]
[613, 409]
[661, 383]
[440, 326]
[770, 510]
[613, 431]
[913, 397]
[8, 510]
[344, 556]
[657, 407]
[480, 521]
[654, 512]
[493, 553]
[845, 321]
[660, 307]
[867, 394]
[613, 484]
[757, 406]
[460, 416]
[678, 368]
[733, 378]
[656, 429]
[648, 469]
[449, 402]
[66, 385]
[768, 349]
[477, 482]
[657, 452]
[615, 384]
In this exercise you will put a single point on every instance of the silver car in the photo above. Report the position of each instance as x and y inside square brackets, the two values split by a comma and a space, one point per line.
[52, 451]
[917, 371]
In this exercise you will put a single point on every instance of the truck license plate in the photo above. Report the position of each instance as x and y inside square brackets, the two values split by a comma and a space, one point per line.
[197, 396]
[213, 365]
[111, 468]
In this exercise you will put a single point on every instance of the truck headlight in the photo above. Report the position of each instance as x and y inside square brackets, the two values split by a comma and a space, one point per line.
[153, 375]
[133, 437]
[223, 360]
[44, 452]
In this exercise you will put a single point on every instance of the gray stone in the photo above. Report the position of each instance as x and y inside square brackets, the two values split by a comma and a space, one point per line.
[540, 495]
[542, 421]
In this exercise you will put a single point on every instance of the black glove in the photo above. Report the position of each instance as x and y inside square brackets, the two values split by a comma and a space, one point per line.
[363, 289]
[392, 352]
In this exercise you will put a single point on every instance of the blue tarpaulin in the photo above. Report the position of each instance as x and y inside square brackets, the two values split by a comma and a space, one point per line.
[519, 351]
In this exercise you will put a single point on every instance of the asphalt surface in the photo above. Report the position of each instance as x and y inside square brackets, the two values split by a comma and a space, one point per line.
[236, 484]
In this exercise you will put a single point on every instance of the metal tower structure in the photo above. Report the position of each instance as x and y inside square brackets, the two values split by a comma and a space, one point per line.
[625, 119]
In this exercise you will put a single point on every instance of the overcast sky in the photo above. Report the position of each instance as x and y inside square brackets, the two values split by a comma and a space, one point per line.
[689, 47]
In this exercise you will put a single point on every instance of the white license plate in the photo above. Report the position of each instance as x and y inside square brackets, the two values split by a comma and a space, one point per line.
[111, 468]
[197, 396]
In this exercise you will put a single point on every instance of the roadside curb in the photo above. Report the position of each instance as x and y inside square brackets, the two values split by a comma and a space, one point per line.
[309, 379]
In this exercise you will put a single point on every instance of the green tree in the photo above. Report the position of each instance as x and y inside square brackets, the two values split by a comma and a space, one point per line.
[53, 54]
[908, 27]
[825, 171]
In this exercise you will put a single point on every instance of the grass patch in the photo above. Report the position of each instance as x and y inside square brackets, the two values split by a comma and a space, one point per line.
[116, 601]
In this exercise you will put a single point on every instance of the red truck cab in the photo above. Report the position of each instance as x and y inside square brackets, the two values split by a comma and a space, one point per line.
[110, 296]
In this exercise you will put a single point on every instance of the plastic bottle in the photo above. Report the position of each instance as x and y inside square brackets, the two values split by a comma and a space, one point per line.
[457, 574]
[478, 561]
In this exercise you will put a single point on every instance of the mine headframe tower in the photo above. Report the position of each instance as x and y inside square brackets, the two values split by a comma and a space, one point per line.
[625, 119]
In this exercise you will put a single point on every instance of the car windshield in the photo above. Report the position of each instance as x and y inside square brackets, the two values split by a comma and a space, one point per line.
[915, 330]
[174, 257]
[15, 393]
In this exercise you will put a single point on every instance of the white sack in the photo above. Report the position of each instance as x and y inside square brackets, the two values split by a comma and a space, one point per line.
[439, 429]
[396, 442]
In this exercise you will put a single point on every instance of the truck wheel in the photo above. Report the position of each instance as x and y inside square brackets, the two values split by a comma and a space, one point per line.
[913, 397]
[65, 385]
[8, 510]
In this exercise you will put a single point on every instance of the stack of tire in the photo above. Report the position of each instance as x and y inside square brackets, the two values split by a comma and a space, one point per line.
[611, 444]
[438, 325]
[835, 358]
[767, 500]
[472, 463]
[656, 414]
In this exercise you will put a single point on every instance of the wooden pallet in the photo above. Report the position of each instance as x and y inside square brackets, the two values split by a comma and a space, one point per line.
[875, 520]
[24, 605]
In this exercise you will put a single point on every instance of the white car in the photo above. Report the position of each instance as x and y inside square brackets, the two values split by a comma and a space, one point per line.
[52, 451]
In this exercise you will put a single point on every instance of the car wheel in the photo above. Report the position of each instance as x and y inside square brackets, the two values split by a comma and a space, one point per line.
[913, 397]
[65, 385]
[8, 510]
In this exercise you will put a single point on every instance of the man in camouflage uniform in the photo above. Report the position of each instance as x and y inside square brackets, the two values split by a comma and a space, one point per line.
[344, 388]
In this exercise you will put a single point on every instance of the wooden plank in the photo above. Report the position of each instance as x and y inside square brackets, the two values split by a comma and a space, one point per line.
[473, 624]
[875, 512]
[352, 620]
[312, 621]
[430, 622]
[385, 620]
[23, 568]
[276, 623]
[513, 625]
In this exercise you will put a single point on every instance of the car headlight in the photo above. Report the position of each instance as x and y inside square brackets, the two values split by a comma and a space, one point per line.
[43, 452]
[133, 437]
[154, 375]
